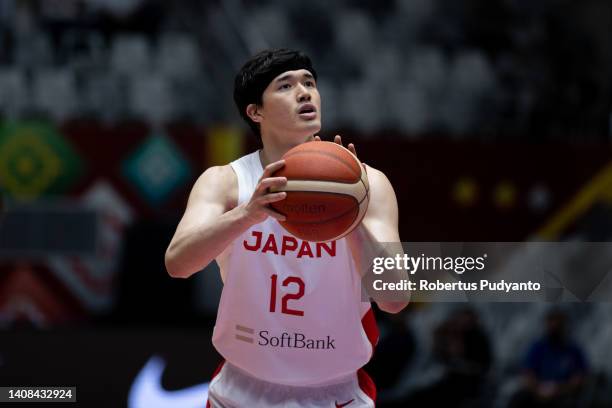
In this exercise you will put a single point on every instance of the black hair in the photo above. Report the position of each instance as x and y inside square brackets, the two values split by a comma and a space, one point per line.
[257, 73]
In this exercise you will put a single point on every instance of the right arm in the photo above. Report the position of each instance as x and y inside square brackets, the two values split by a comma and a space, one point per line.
[212, 220]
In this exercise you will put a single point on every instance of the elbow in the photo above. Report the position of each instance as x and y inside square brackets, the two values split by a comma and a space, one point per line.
[179, 267]
[392, 307]
[172, 266]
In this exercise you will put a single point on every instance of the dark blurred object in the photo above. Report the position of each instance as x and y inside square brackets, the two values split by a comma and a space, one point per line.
[42, 230]
[147, 295]
[2, 205]
[394, 351]
[555, 368]
[104, 363]
[462, 347]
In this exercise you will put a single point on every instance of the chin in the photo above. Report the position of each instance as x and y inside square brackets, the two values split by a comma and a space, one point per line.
[312, 128]
[303, 132]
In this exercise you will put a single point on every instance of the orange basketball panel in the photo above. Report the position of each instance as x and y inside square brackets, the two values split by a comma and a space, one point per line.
[323, 161]
[322, 231]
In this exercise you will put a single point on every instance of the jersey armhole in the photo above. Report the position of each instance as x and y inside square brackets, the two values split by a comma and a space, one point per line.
[240, 181]
[237, 202]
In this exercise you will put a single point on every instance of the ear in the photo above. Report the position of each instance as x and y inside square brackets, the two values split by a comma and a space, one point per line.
[254, 113]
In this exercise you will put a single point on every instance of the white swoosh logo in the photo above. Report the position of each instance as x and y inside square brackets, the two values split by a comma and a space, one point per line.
[147, 391]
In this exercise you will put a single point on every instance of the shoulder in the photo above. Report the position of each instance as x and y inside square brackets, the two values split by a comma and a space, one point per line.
[380, 186]
[373, 172]
[376, 176]
[219, 172]
[218, 183]
[383, 211]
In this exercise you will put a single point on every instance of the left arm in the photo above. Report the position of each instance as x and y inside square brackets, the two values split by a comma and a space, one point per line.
[379, 225]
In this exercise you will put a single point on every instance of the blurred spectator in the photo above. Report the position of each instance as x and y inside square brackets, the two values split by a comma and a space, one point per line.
[462, 347]
[555, 368]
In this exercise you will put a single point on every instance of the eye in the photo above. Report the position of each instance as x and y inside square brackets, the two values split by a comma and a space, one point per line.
[310, 83]
[285, 86]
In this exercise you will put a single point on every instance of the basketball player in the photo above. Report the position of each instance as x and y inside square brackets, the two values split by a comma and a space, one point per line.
[291, 324]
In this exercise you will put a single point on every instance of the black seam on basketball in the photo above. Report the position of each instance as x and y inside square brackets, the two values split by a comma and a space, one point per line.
[367, 188]
[364, 197]
[345, 233]
[330, 156]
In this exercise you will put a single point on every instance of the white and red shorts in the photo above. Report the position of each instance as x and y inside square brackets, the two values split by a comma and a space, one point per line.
[233, 388]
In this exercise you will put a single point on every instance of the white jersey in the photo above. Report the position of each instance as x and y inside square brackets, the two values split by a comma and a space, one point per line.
[291, 310]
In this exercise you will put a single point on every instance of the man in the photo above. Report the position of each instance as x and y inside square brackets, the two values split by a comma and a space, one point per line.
[291, 324]
[555, 368]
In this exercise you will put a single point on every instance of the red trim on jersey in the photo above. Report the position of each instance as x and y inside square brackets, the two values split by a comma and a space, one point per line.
[213, 376]
[369, 326]
[366, 383]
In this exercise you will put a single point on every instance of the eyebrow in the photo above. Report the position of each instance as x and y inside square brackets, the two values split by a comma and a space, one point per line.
[290, 76]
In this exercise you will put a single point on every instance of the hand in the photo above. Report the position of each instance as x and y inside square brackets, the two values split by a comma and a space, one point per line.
[257, 209]
[338, 140]
[351, 147]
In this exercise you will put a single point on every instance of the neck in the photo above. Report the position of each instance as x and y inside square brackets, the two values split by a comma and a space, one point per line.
[270, 154]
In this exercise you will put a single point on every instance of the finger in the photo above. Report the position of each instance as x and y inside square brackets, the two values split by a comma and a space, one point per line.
[272, 197]
[317, 138]
[274, 214]
[271, 182]
[338, 139]
[351, 148]
[271, 168]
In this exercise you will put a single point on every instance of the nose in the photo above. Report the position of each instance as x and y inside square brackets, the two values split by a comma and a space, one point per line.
[303, 94]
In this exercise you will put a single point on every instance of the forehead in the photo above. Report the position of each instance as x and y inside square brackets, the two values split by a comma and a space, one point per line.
[298, 73]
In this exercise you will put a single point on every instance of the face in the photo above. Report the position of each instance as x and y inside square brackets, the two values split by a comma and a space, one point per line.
[291, 110]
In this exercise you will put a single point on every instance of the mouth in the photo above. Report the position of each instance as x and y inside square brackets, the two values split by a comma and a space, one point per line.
[307, 111]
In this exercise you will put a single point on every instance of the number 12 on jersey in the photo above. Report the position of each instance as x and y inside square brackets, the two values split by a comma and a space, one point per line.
[287, 296]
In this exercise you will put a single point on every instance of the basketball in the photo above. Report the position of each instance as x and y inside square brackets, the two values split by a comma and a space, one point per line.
[327, 191]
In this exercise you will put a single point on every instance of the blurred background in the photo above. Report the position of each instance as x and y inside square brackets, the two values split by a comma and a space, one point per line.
[491, 118]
